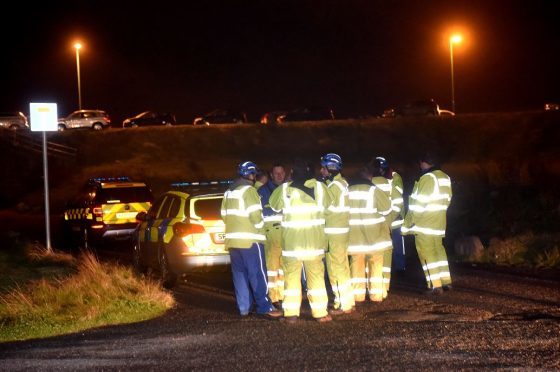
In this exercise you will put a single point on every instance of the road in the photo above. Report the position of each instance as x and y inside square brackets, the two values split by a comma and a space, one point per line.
[487, 321]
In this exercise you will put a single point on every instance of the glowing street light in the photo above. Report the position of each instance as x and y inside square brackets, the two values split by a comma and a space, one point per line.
[454, 39]
[78, 46]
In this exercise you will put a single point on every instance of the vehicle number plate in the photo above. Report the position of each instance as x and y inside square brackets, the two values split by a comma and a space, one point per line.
[126, 215]
[220, 237]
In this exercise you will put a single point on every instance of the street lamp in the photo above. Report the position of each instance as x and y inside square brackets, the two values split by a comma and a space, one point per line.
[78, 46]
[454, 39]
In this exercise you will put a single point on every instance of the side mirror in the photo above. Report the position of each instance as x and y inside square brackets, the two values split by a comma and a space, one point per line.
[142, 216]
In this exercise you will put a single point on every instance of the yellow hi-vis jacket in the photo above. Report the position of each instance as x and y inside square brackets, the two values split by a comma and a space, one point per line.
[336, 220]
[242, 214]
[369, 232]
[397, 200]
[303, 219]
[384, 185]
[428, 205]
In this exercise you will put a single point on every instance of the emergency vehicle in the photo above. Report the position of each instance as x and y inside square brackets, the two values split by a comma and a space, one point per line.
[182, 232]
[105, 208]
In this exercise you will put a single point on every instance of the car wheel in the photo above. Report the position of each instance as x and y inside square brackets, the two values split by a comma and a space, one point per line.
[168, 279]
[97, 126]
[137, 261]
[134, 125]
[61, 127]
[167, 124]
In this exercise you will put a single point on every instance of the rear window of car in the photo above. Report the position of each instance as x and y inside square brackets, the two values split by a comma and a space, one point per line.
[125, 195]
[208, 209]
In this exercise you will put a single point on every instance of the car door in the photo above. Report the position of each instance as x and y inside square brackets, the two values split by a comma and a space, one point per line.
[73, 120]
[161, 230]
[147, 233]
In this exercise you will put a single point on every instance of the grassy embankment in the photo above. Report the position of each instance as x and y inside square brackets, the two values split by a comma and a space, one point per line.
[46, 294]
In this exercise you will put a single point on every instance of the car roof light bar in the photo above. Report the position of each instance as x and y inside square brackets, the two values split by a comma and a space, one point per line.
[201, 183]
[109, 179]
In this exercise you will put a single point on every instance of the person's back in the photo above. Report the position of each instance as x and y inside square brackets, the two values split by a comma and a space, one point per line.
[303, 202]
[303, 215]
[369, 207]
[369, 237]
[337, 228]
[241, 212]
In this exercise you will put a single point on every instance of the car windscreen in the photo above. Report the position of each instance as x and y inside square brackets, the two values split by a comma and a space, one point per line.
[125, 195]
[208, 209]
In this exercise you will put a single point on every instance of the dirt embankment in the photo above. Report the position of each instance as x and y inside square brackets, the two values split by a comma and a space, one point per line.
[505, 167]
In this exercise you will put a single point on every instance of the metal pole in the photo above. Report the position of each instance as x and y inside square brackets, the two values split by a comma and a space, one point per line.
[452, 77]
[46, 182]
[79, 85]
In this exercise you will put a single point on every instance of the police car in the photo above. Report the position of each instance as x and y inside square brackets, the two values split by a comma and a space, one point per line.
[105, 208]
[182, 232]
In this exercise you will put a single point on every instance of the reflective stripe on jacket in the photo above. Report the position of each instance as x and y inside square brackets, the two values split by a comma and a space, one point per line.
[336, 220]
[303, 219]
[428, 204]
[242, 214]
[383, 184]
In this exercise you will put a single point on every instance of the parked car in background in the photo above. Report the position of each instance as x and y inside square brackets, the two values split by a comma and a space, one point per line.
[420, 107]
[271, 117]
[306, 114]
[92, 119]
[148, 118]
[182, 232]
[14, 120]
[221, 116]
[551, 106]
[388, 113]
[443, 112]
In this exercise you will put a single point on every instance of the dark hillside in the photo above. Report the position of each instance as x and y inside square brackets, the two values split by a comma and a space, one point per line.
[495, 160]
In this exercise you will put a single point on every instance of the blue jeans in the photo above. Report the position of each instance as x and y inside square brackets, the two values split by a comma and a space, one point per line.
[248, 267]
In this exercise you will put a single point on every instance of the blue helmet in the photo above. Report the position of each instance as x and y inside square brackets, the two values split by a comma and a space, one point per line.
[382, 162]
[332, 161]
[246, 168]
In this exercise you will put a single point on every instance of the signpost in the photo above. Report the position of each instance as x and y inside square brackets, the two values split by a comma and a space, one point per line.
[44, 118]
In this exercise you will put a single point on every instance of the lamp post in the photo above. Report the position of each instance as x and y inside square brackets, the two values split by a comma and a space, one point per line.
[78, 46]
[454, 39]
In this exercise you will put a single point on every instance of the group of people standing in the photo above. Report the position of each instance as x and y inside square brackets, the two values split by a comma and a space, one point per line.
[284, 230]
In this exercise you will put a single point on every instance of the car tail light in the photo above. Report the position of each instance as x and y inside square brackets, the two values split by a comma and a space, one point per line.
[107, 119]
[97, 212]
[194, 236]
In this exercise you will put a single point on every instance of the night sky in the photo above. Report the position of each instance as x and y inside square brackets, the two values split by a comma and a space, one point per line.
[357, 57]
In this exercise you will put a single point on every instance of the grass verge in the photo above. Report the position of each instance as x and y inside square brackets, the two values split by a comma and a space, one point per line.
[51, 293]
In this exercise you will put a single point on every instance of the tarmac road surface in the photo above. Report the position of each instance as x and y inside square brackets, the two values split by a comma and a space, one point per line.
[487, 321]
